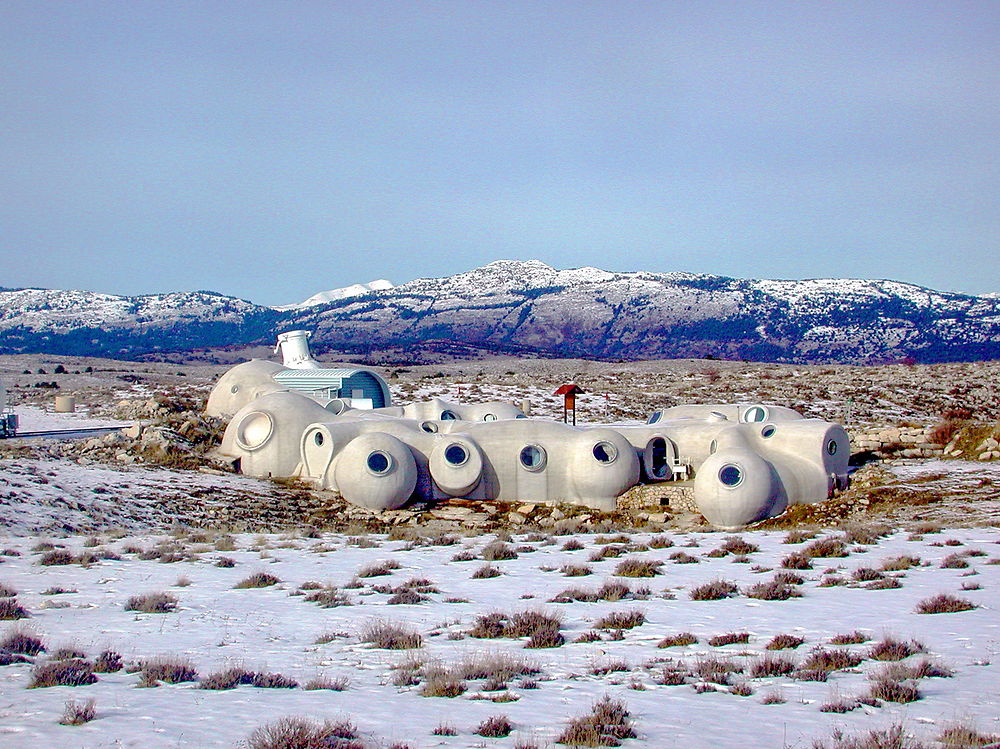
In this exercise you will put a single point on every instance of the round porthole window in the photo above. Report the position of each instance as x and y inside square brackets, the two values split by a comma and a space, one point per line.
[379, 462]
[254, 431]
[767, 431]
[429, 426]
[532, 457]
[713, 447]
[730, 475]
[490, 417]
[455, 454]
[605, 452]
[831, 447]
[757, 413]
[318, 439]
[234, 389]
[448, 415]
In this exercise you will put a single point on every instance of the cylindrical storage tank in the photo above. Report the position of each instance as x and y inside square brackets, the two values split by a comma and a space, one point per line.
[737, 487]
[377, 471]
[456, 465]
[65, 404]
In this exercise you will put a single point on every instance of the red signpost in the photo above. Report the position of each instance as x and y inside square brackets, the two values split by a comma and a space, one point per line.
[569, 393]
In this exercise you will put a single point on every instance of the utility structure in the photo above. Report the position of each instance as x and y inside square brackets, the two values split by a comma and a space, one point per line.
[569, 392]
[8, 419]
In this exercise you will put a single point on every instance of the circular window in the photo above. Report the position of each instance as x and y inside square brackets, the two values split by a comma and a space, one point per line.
[757, 413]
[767, 431]
[429, 426]
[730, 475]
[379, 462]
[456, 454]
[490, 417]
[831, 447]
[605, 452]
[318, 439]
[713, 447]
[448, 415]
[254, 430]
[234, 389]
[532, 457]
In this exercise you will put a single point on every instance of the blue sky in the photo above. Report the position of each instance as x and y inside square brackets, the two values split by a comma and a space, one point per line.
[272, 150]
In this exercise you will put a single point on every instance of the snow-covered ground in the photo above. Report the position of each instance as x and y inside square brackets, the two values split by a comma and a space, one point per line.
[269, 629]
[35, 419]
[46, 496]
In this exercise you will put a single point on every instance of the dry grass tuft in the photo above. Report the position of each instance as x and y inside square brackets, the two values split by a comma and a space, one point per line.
[21, 641]
[944, 603]
[772, 665]
[775, 590]
[891, 649]
[888, 690]
[77, 713]
[607, 724]
[962, 736]
[486, 571]
[730, 638]
[850, 638]
[638, 567]
[496, 727]
[821, 659]
[671, 641]
[69, 673]
[784, 642]
[378, 569]
[621, 620]
[391, 635]
[11, 610]
[714, 591]
[152, 603]
[301, 733]
[257, 580]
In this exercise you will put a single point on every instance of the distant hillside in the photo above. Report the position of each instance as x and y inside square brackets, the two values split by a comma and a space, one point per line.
[529, 307]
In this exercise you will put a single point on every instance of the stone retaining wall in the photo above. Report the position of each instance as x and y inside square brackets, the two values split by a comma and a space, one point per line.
[900, 442]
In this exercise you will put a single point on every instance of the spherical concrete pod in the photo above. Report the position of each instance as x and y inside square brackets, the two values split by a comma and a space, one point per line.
[377, 471]
[456, 465]
[603, 466]
[736, 487]
[241, 385]
[265, 435]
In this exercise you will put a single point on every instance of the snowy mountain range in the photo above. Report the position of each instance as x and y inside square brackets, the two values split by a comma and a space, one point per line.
[529, 307]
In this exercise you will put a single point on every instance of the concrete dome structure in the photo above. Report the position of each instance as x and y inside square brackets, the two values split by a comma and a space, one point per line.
[748, 462]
